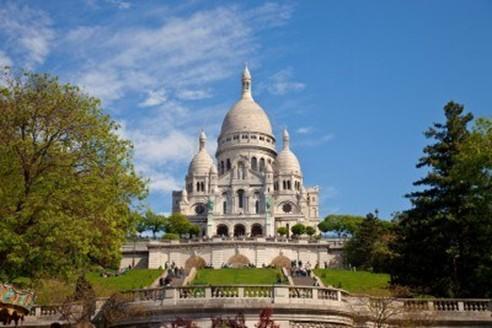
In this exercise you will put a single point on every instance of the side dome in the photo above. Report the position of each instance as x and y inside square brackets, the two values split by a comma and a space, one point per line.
[202, 161]
[246, 114]
[287, 161]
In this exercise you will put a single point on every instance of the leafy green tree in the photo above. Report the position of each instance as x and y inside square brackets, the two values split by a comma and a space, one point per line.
[368, 248]
[310, 231]
[67, 183]
[282, 231]
[341, 224]
[153, 222]
[443, 242]
[179, 224]
[298, 229]
[194, 230]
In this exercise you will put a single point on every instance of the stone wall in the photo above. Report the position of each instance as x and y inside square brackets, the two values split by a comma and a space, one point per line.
[218, 252]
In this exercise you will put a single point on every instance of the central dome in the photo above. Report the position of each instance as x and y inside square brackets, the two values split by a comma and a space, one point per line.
[246, 115]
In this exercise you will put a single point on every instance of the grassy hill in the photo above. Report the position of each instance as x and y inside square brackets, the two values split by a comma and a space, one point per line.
[358, 282]
[229, 276]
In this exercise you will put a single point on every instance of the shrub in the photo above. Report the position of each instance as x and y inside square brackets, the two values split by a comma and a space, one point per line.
[170, 236]
[298, 229]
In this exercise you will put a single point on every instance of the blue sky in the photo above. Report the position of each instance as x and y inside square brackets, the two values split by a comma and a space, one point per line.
[355, 82]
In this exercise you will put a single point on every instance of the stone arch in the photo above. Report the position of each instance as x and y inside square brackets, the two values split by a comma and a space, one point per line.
[222, 230]
[239, 230]
[194, 261]
[256, 230]
[238, 261]
[281, 261]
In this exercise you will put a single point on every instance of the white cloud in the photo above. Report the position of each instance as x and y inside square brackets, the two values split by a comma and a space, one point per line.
[304, 130]
[281, 83]
[4, 59]
[154, 98]
[28, 32]
[193, 94]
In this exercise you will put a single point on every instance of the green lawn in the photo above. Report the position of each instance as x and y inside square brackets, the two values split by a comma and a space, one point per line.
[133, 279]
[54, 291]
[359, 282]
[229, 276]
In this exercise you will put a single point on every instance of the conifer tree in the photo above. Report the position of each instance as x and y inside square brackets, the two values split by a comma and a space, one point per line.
[441, 238]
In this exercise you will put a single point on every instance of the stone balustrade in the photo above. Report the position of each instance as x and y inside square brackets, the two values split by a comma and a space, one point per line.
[274, 294]
[290, 303]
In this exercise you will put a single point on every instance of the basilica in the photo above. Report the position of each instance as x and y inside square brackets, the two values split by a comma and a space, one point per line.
[251, 189]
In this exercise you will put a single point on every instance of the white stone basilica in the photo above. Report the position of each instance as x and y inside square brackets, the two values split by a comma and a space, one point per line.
[251, 190]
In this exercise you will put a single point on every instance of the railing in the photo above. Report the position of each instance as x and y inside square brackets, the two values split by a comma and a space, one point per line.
[448, 305]
[280, 294]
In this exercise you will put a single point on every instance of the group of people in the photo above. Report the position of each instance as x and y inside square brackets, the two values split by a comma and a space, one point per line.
[173, 271]
[299, 269]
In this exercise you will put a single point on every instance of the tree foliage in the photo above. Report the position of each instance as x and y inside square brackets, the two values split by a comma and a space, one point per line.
[310, 231]
[298, 229]
[179, 224]
[282, 231]
[152, 222]
[443, 242]
[342, 224]
[66, 179]
[368, 248]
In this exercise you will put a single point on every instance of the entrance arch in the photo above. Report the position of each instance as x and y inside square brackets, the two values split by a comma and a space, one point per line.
[239, 230]
[256, 230]
[222, 230]
[194, 262]
[281, 261]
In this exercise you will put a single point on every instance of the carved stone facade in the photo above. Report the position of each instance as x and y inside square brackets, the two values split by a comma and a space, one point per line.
[250, 189]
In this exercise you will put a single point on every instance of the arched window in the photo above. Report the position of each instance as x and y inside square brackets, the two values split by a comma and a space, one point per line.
[256, 230]
[224, 207]
[221, 167]
[228, 164]
[284, 185]
[288, 185]
[262, 164]
[202, 185]
[198, 186]
[254, 163]
[240, 198]
[257, 207]
[222, 230]
[239, 230]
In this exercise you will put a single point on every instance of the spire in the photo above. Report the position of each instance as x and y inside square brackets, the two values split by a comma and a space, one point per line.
[286, 139]
[246, 80]
[202, 139]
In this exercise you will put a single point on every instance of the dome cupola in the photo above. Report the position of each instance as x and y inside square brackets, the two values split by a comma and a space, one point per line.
[246, 115]
[202, 161]
[287, 161]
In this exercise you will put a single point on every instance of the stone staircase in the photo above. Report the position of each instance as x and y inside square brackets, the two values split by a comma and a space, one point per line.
[304, 281]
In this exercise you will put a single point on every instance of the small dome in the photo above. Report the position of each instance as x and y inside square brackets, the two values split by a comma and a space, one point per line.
[268, 168]
[213, 169]
[287, 161]
[202, 161]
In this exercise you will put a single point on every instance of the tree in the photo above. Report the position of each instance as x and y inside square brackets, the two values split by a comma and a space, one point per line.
[282, 231]
[341, 224]
[369, 246]
[179, 224]
[310, 231]
[442, 242]
[67, 183]
[298, 229]
[194, 230]
[153, 222]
